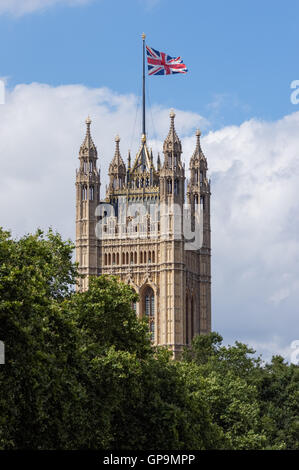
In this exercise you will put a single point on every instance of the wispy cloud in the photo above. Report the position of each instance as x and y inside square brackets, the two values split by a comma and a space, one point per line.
[149, 4]
[22, 7]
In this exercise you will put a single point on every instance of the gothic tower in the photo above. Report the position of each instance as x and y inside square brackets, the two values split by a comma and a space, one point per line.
[143, 237]
[198, 196]
[172, 279]
[88, 252]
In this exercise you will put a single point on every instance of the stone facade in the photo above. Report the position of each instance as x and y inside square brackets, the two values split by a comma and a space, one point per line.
[132, 234]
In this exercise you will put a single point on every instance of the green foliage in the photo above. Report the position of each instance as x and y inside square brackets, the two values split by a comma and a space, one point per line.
[81, 372]
[255, 405]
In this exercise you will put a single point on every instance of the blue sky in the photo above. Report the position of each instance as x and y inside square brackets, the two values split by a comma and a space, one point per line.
[241, 55]
[65, 59]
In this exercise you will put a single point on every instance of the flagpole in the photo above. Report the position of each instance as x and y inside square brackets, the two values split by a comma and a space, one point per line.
[143, 86]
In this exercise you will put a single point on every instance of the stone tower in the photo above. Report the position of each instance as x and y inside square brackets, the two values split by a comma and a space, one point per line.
[88, 252]
[142, 237]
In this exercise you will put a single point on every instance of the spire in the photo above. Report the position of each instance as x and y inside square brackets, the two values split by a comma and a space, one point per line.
[198, 153]
[142, 163]
[198, 134]
[129, 160]
[172, 147]
[151, 157]
[172, 142]
[117, 169]
[117, 163]
[158, 162]
[88, 148]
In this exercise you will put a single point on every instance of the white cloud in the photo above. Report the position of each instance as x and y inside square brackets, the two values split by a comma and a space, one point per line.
[255, 207]
[21, 7]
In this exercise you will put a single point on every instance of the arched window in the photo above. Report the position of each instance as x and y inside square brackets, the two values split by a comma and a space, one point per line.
[117, 258]
[141, 257]
[135, 257]
[148, 309]
[105, 259]
[109, 258]
[144, 257]
[123, 258]
[153, 257]
[84, 193]
[127, 258]
[91, 193]
[202, 203]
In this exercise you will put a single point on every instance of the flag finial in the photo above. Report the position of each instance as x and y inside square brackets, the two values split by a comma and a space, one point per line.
[143, 36]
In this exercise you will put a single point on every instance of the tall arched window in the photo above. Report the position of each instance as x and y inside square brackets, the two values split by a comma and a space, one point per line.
[84, 193]
[148, 307]
[91, 193]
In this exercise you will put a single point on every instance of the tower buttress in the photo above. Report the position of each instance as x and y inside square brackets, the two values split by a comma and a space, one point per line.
[173, 284]
[87, 198]
[198, 196]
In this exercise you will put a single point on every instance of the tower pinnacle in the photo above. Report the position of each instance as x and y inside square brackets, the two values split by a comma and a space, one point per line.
[88, 146]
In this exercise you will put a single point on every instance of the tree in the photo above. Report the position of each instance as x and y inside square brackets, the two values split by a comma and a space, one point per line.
[81, 372]
[278, 387]
[230, 390]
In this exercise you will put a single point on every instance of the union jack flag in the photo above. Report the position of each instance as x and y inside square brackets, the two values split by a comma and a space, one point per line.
[159, 63]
